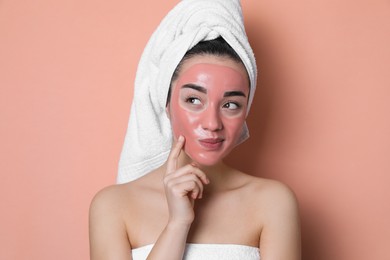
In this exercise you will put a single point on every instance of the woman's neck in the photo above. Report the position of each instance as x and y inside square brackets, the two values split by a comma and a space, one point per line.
[218, 174]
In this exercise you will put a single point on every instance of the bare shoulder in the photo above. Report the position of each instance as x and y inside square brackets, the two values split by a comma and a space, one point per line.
[109, 197]
[276, 192]
[107, 207]
[109, 220]
[114, 199]
[120, 203]
[278, 214]
[107, 231]
[272, 197]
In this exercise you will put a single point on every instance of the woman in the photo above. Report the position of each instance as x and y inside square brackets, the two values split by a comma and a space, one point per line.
[194, 206]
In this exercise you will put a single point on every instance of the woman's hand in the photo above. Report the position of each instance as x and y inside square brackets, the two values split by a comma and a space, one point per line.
[182, 186]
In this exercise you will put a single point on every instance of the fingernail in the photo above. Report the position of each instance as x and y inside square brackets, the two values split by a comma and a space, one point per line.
[181, 138]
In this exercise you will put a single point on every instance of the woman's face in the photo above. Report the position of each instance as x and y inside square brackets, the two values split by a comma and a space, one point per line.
[208, 106]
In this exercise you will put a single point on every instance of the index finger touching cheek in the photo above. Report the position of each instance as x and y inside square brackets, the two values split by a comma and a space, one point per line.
[174, 155]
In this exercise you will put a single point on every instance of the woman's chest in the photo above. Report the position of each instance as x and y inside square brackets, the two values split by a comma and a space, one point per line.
[220, 221]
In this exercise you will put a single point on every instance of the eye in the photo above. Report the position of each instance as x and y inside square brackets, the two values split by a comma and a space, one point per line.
[193, 100]
[231, 105]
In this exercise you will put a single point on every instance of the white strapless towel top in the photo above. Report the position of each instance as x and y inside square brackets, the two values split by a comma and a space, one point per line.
[207, 252]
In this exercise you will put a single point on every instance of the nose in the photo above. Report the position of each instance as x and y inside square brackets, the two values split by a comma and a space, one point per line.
[212, 119]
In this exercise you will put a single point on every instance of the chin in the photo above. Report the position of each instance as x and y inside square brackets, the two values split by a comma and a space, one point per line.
[206, 163]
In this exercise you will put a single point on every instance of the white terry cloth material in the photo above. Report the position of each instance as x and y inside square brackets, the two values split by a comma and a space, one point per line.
[207, 252]
[149, 136]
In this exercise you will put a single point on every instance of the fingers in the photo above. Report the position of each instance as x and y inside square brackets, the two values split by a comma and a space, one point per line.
[185, 181]
[188, 180]
[174, 155]
[186, 185]
[188, 169]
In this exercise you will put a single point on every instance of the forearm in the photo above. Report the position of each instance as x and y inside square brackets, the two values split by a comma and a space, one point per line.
[171, 242]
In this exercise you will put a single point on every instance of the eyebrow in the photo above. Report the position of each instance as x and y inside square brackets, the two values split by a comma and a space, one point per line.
[204, 90]
[234, 93]
[196, 87]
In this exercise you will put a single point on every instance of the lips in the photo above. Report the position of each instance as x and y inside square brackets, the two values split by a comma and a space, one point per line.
[211, 143]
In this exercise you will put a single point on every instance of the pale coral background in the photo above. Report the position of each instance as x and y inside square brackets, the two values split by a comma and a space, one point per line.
[320, 122]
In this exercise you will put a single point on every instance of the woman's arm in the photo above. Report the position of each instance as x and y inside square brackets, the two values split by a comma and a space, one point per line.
[182, 187]
[107, 231]
[108, 234]
[280, 237]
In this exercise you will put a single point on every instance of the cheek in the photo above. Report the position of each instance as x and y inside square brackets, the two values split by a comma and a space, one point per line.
[175, 117]
[233, 126]
[182, 122]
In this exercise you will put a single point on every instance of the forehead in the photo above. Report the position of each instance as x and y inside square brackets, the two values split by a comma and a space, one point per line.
[213, 60]
[204, 70]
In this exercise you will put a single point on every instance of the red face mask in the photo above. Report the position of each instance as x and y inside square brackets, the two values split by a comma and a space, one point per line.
[208, 107]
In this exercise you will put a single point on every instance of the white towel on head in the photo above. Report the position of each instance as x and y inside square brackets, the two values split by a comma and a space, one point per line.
[149, 136]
